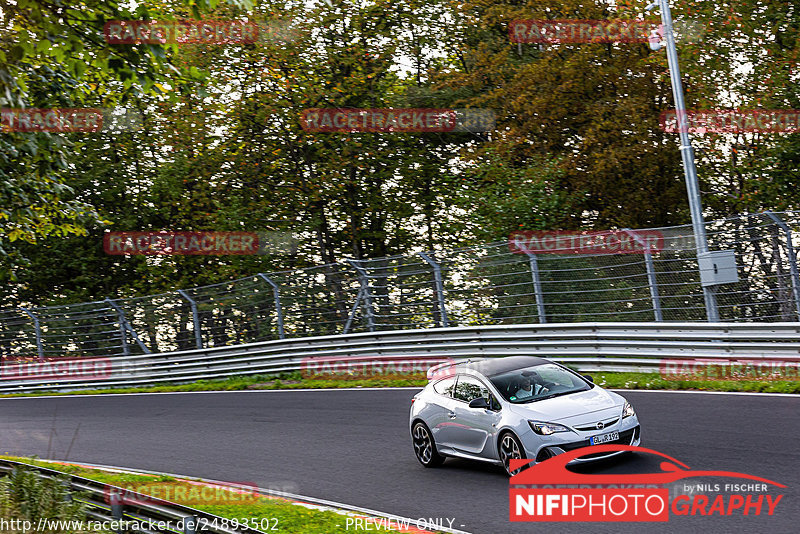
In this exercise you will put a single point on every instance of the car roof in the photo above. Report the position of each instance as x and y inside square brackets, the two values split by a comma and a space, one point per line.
[490, 367]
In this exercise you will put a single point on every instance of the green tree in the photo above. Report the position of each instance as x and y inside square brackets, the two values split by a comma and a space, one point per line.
[54, 55]
[592, 108]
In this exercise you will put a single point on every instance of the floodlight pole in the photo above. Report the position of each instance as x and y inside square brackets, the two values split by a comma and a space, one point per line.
[687, 154]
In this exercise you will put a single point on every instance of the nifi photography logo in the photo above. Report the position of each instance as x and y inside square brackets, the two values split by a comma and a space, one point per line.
[548, 491]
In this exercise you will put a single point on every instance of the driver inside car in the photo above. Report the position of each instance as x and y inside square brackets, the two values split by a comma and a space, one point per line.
[530, 384]
[526, 388]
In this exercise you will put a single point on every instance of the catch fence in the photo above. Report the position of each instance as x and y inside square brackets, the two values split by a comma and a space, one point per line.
[491, 284]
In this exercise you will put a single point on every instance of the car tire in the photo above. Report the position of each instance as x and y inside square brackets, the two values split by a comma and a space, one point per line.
[424, 446]
[510, 448]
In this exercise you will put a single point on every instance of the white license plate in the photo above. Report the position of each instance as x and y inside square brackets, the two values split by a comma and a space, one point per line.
[604, 438]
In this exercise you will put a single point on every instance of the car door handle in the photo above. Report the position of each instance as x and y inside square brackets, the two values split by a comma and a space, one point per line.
[452, 415]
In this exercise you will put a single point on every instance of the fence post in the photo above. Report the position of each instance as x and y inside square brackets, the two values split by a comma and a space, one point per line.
[437, 277]
[38, 328]
[537, 286]
[122, 330]
[352, 315]
[792, 259]
[198, 336]
[276, 295]
[363, 292]
[123, 321]
[651, 273]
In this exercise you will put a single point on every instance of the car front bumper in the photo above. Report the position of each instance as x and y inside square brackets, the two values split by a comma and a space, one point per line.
[544, 447]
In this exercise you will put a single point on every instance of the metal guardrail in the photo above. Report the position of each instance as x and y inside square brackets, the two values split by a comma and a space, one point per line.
[589, 347]
[95, 494]
[199, 521]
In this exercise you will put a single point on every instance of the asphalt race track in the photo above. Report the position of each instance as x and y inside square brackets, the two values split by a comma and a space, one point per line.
[353, 447]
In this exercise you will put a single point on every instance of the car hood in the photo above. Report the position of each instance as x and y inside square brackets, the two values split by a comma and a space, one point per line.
[571, 406]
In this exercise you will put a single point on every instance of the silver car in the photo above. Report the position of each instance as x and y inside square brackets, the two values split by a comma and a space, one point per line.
[497, 409]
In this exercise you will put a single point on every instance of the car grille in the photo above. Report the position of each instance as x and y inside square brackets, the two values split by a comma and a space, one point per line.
[590, 428]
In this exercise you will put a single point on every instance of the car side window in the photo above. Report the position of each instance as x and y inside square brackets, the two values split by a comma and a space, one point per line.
[445, 387]
[469, 388]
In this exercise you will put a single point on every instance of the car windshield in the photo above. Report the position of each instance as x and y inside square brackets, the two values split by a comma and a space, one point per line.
[538, 382]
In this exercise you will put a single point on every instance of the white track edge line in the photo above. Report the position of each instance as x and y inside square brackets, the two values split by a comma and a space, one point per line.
[403, 388]
[748, 393]
[138, 394]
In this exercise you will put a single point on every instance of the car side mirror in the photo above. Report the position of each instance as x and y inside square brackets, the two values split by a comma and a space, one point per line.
[480, 402]
[589, 378]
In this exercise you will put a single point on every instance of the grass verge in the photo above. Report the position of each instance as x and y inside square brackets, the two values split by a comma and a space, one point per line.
[297, 381]
[243, 383]
[263, 513]
[655, 381]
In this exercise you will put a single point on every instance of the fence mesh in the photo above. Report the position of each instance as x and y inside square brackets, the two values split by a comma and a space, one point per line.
[482, 285]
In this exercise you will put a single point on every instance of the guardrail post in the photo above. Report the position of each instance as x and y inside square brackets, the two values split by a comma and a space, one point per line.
[65, 484]
[38, 328]
[437, 277]
[537, 286]
[117, 512]
[651, 274]
[276, 296]
[125, 325]
[792, 259]
[189, 524]
[363, 293]
[198, 336]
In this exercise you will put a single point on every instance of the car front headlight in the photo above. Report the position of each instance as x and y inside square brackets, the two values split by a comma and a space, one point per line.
[545, 429]
[627, 411]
